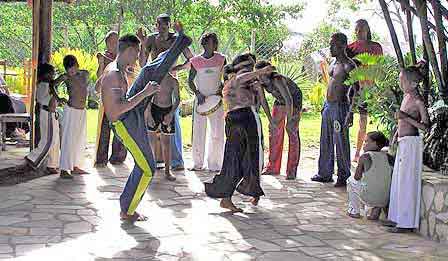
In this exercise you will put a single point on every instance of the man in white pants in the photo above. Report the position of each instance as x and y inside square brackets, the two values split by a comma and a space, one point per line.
[46, 99]
[205, 81]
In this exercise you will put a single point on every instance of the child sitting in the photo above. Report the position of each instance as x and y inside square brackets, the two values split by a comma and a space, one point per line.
[371, 184]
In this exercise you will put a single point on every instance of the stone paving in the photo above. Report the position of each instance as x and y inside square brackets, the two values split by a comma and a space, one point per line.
[297, 220]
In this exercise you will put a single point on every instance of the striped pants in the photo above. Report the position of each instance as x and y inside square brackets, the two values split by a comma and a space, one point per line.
[132, 132]
[131, 128]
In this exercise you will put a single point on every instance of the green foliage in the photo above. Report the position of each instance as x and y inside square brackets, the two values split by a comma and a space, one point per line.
[319, 38]
[316, 96]
[16, 84]
[384, 96]
[86, 61]
[371, 69]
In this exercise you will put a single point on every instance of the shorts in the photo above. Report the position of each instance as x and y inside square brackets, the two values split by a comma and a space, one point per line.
[362, 108]
[158, 113]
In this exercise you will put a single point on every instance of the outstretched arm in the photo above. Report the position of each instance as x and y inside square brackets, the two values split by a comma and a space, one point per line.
[250, 76]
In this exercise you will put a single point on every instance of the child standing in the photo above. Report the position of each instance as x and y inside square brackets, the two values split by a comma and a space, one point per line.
[74, 122]
[47, 100]
[371, 184]
[405, 190]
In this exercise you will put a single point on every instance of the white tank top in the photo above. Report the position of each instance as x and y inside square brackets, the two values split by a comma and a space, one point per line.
[43, 95]
[376, 181]
[209, 71]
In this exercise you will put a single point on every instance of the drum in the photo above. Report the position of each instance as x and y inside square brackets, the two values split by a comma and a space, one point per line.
[211, 104]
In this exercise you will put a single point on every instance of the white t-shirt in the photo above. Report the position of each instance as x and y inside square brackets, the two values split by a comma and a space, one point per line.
[43, 95]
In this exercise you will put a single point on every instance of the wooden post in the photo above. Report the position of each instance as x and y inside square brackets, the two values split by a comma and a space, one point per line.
[392, 32]
[34, 62]
[252, 42]
[45, 25]
[410, 34]
[423, 15]
[442, 47]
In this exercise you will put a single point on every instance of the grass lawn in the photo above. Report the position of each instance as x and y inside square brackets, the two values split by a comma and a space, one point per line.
[309, 129]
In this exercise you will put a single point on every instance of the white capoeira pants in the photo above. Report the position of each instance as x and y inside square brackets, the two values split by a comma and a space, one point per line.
[74, 134]
[49, 141]
[212, 136]
[355, 203]
[405, 190]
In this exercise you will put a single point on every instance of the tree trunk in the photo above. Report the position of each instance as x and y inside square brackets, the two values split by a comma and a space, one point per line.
[423, 15]
[392, 32]
[411, 35]
[401, 22]
[442, 47]
[426, 81]
[45, 31]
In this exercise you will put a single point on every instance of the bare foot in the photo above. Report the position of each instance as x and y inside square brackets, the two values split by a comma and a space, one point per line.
[357, 216]
[132, 218]
[169, 176]
[79, 171]
[255, 200]
[52, 171]
[227, 204]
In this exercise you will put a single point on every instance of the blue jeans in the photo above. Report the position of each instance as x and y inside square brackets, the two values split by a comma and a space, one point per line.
[176, 143]
[334, 132]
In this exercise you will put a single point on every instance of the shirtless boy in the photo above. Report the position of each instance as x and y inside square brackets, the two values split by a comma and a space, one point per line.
[103, 133]
[152, 46]
[161, 118]
[405, 191]
[337, 117]
[287, 106]
[74, 121]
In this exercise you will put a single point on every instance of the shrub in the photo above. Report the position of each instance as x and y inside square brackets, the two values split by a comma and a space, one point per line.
[16, 84]
[316, 96]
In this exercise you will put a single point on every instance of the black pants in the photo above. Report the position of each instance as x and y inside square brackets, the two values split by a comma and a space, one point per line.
[102, 152]
[243, 156]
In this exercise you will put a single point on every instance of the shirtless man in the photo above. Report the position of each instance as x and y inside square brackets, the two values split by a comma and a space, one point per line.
[243, 156]
[153, 45]
[404, 206]
[74, 130]
[337, 117]
[103, 133]
[160, 118]
[288, 104]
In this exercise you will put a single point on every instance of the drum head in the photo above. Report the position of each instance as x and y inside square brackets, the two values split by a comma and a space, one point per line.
[211, 104]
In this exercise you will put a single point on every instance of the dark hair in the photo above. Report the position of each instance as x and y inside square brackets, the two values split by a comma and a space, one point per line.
[379, 138]
[126, 41]
[69, 61]
[365, 23]
[228, 69]
[340, 37]
[261, 64]
[242, 58]
[207, 37]
[110, 34]
[163, 18]
[44, 69]
[415, 73]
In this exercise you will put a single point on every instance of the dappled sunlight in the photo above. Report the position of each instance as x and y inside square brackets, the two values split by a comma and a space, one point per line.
[272, 181]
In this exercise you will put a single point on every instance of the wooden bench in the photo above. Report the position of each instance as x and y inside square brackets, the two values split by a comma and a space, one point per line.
[8, 118]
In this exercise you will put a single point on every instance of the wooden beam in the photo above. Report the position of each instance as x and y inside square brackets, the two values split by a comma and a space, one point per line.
[392, 32]
[34, 62]
[45, 31]
[442, 46]
[423, 15]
